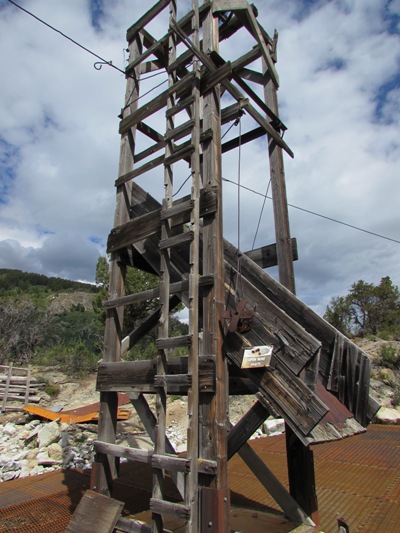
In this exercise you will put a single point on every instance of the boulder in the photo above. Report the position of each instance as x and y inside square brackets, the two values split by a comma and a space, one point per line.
[386, 415]
[48, 434]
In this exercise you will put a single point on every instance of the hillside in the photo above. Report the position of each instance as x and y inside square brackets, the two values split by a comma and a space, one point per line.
[48, 319]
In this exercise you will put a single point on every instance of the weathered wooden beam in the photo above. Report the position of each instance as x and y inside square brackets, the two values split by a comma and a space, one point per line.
[282, 391]
[156, 104]
[145, 19]
[243, 139]
[131, 376]
[266, 256]
[148, 224]
[177, 510]
[241, 432]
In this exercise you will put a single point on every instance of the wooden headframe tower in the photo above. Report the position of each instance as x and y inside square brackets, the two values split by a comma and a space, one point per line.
[180, 238]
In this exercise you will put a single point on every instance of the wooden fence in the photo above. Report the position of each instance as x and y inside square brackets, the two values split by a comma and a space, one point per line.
[17, 385]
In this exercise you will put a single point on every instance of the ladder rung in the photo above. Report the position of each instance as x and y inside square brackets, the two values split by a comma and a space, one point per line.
[132, 454]
[182, 61]
[180, 106]
[174, 380]
[206, 466]
[177, 510]
[180, 131]
[141, 170]
[182, 85]
[171, 462]
[173, 342]
[182, 152]
[131, 525]
[176, 240]
[177, 209]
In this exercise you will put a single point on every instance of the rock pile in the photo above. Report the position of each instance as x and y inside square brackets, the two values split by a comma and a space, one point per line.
[37, 447]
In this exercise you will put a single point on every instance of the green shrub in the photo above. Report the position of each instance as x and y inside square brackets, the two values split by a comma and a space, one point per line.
[52, 389]
[390, 357]
[396, 394]
[74, 359]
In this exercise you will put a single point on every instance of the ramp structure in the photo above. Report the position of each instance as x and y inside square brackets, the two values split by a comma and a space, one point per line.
[248, 333]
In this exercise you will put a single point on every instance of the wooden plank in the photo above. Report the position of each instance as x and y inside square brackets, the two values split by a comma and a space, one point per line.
[243, 139]
[177, 287]
[241, 432]
[168, 343]
[139, 171]
[126, 452]
[173, 380]
[283, 392]
[266, 256]
[176, 510]
[257, 33]
[8, 378]
[176, 240]
[129, 525]
[142, 227]
[28, 381]
[145, 19]
[251, 75]
[128, 376]
[237, 94]
[95, 512]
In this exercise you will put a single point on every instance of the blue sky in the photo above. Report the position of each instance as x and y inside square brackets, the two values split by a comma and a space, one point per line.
[339, 67]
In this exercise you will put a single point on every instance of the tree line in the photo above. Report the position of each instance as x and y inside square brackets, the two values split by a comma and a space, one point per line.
[32, 332]
[367, 309]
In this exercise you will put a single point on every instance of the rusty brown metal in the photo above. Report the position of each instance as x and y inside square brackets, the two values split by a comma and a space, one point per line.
[358, 478]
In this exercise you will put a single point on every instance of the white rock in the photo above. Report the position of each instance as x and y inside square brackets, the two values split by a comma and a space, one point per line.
[387, 415]
[9, 429]
[7, 476]
[54, 451]
[43, 459]
[48, 434]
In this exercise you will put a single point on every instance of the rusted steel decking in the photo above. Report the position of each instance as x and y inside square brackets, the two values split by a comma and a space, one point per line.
[357, 478]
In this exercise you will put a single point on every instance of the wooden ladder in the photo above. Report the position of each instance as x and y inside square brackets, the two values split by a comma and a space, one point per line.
[199, 477]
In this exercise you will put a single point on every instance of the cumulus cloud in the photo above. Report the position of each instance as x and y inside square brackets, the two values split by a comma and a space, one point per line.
[338, 64]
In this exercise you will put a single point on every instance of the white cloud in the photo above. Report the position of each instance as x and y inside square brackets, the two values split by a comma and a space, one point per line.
[338, 63]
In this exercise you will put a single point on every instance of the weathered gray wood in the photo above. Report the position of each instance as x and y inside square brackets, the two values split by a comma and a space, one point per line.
[177, 240]
[241, 432]
[145, 19]
[145, 327]
[129, 525]
[7, 387]
[129, 376]
[176, 510]
[168, 343]
[173, 380]
[243, 139]
[213, 434]
[266, 256]
[155, 105]
[148, 224]
[95, 512]
[131, 454]
[177, 287]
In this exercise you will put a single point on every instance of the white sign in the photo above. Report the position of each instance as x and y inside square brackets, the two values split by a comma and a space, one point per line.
[257, 356]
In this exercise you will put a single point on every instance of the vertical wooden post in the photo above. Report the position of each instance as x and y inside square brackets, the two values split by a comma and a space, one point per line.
[299, 457]
[105, 468]
[192, 492]
[214, 409]
[163, 328]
